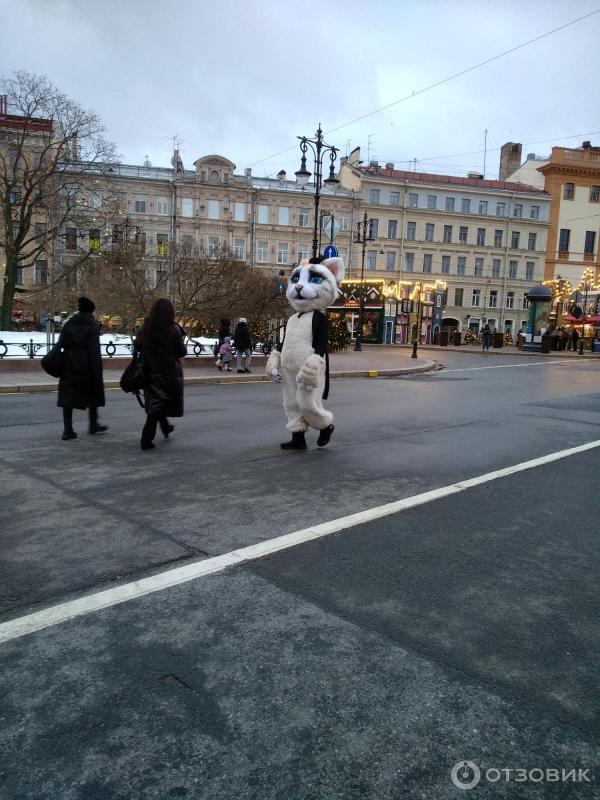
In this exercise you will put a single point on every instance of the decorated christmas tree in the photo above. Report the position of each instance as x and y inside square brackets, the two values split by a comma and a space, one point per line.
[339, 335]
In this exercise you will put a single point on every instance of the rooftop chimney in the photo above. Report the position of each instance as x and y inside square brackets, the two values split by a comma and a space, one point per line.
[389, 165]
[530, 156]
[586, 145]
[248, 172]
[510, 159]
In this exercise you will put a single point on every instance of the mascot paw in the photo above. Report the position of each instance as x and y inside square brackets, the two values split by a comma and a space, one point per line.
[273, 363]
[275, 376]
[310, 372]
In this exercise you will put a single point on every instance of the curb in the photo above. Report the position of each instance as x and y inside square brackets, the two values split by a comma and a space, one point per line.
[429, 365]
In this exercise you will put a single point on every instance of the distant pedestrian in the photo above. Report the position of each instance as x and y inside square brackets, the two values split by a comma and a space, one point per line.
[224, 330]
[82, 385]
[575, 337]
[486, 337]
[161, 345]
[225, 355]
[243, 345]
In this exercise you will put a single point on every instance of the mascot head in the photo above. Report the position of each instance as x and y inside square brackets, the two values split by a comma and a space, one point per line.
[314, 283]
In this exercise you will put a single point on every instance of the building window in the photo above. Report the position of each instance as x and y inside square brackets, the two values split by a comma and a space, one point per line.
[239, 249]
[343, 223]
[590, 241]
[304, 218]
[514, 240]
[187, 207]
[392, 228]
[476, 298]
[458, 297]
[409, 262]
[595, 194]
[479, 267]
[427, 262]
[394, 198]
[465, 205]
[140, 206]
[41, 273]
[494, 298]
[534, 212]
[431, 202]
[510, 299]
[213, 247]
[94, 240]
[411, 231]
[374, 196]
[500, 209]
[413, 199]
[162, 244]
[95, 201]
[480, 237]
[162, 206]
[512, 269]
[496, 265]
[518, 210]
[529, 270]
[531, 240]
[19, 275]
[71, 239]
[262, 252]
[262, 213]
[569, 193]
[525, 304]
[372, 259]
[282, 252]
[390, 260]
[447, 234]
[303, 254]
[449, 204]
[462, 234]
[214, 209]
[563, 240]
[445, 265]
[187, 244]
[239, 212]
[429, 228]
[483, 206]
[461, 264]
[374, 228]
[283, 215]
[497, 238]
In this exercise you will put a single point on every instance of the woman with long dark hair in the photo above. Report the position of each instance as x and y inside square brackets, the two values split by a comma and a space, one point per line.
[161, 345]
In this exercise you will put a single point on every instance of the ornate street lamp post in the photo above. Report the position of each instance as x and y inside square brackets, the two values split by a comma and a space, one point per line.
[319, 149]
[364, 234]
[419, 320]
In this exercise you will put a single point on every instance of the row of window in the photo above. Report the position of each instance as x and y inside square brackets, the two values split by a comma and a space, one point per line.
[489, 301]
[445, 266]
[463, 235]
[564, 241]
[569, 192]
[430, 201]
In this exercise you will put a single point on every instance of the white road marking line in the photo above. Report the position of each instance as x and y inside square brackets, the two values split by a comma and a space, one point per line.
[54, 615]
[497, 366]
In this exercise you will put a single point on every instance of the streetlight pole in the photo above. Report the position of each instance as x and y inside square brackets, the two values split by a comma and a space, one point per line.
[319, 149]
[419, 322]
[364, 234]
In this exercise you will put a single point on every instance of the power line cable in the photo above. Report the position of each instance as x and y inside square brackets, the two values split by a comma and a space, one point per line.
[443, 81]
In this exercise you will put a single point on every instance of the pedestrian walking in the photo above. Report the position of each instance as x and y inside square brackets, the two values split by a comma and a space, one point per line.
[81, 386]
[225, 355]
[161, 345]
[243, 345]
[224, 330]
[486, 337]
[575, 337]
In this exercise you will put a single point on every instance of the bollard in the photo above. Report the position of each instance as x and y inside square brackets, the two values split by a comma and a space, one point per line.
[414, 352]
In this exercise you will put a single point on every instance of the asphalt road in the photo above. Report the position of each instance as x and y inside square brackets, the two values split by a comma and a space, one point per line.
[361, 665]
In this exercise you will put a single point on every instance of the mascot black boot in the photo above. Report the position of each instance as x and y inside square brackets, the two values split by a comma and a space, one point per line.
[298, 442]
[301, 361]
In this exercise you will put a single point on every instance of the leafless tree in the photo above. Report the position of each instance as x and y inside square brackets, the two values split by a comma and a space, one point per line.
[53, 158]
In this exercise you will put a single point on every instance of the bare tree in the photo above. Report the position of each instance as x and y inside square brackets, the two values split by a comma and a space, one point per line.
[52, 152]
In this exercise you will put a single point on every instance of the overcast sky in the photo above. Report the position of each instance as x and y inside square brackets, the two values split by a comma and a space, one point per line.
[243, 78]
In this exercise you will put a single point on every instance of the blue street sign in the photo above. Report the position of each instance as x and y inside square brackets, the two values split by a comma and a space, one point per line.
[330, 251]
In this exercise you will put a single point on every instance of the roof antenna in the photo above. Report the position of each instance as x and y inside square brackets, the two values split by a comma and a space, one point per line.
[484, 150]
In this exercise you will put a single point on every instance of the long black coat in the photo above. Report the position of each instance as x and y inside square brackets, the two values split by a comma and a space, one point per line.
[241, 337]
[82, 385]
[163, 387]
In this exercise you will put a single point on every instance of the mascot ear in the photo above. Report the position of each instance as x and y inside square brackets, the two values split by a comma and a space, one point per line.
[336, 267]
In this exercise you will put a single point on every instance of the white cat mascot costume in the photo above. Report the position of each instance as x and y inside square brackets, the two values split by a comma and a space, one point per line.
[302, 358]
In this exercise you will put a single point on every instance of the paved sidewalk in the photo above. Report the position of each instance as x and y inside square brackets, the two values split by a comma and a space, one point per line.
[372, 362]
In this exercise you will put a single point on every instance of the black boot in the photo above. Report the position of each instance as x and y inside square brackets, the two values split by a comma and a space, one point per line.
[298, 442]
[325, 435]
[69, 435]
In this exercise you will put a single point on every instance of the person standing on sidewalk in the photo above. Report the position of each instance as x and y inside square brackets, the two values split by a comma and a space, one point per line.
[486, 337]
[82, 385]
[160, 343]
[243, 345]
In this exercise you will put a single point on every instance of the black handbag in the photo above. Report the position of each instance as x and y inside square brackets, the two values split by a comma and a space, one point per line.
[132, 379]
[54, 361]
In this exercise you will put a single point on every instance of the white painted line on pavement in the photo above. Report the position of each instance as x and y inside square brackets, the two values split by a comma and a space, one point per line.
[497, 366]
[54, 615]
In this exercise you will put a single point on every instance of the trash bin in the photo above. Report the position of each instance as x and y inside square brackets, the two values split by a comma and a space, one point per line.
[520, 341]
[456, 338]
[546, 343]
[498, 339]
[443, 339]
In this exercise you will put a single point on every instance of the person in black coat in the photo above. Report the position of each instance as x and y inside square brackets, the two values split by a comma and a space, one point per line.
[82, 385]
[161, 345]
[243, 345]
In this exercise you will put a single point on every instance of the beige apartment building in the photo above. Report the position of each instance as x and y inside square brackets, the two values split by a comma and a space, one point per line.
[485, 239]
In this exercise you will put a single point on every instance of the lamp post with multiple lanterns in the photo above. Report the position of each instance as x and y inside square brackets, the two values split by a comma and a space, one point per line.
[319, 150]
[364, 234]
